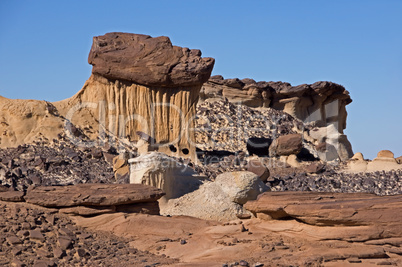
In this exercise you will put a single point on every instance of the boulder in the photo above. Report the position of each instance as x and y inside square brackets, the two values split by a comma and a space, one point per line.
[13, 196]
[286, 145]
[315, 167]
[399, 160]
[209, 202]
[92, 195]
[241, 186]
[158, 170]
[148, 61]
[258, 168]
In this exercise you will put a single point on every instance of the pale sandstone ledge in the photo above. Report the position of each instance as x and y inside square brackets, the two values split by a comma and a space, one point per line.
[385, 161]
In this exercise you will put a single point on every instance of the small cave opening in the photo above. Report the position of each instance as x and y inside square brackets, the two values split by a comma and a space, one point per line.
[305, 155]
[185, 151]
[259, 146]
[173, 148]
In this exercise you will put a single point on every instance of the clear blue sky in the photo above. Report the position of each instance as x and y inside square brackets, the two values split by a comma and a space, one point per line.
[44, 47]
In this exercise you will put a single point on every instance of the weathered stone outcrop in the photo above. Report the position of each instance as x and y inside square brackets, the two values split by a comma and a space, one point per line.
[321, 102]
[321, 105]
[144, 60]
[220, 200]
[138, 83]
[142, 84]
[360, 217]
[159, 170]
[22, 121]
[95, 199]
[286, 145]
[384, 161]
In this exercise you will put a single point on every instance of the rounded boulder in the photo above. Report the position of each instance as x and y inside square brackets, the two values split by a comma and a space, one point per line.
[241, 186]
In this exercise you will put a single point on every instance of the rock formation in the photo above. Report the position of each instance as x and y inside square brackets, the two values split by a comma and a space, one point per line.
[321, 102]
[92, 195]
[321, 105]
[148, 61]
[362, 217]
[158, 170]
[138, 83]
[94, 199]
[384, 161]
[142, 84]
[220, 200]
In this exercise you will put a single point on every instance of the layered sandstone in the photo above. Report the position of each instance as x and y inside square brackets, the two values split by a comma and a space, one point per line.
[321, 102]
[359, 217]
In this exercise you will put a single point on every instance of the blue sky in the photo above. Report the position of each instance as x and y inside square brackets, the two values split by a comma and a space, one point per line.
[44, 47]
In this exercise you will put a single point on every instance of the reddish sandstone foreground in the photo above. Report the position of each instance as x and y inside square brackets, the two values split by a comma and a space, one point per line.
[299, 229]
[291, 229]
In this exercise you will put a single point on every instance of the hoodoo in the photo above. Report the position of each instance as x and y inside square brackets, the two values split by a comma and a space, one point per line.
[138, 83]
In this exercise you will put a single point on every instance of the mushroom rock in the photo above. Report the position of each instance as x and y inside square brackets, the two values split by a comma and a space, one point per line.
[138, 83]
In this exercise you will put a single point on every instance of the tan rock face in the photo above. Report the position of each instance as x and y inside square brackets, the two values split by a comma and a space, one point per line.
[121, 109]
[384, 161]
[22, 121]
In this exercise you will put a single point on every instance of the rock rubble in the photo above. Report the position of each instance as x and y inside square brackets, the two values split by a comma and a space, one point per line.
[33, 236]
